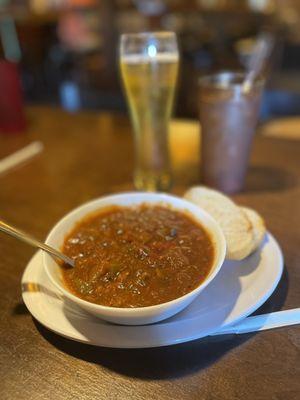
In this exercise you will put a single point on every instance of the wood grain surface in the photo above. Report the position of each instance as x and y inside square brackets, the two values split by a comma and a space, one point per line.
[87, 155]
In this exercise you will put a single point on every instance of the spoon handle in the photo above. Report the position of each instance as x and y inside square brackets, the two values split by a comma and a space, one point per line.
[25, 237]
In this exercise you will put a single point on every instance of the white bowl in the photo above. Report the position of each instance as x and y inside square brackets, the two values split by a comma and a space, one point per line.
[139, 315]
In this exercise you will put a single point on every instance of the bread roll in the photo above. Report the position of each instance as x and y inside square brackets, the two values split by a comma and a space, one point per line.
[234, 223]
[258, 226]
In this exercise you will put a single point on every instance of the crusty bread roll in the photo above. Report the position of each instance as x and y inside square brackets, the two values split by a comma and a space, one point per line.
[242, 228]
[258, 226]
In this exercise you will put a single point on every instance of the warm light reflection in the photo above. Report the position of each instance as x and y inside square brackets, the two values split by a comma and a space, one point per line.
[185, 151]
[184, 142]
[31, 287]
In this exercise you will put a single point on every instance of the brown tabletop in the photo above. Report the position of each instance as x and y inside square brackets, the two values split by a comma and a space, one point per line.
[87, 155]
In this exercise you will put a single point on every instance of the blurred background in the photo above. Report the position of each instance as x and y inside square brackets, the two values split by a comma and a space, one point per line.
[67, 49]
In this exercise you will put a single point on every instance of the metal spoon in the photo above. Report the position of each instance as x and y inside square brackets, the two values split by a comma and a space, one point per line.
[25, 237]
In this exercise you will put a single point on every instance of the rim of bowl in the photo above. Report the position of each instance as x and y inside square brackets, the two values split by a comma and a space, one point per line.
[162, 197]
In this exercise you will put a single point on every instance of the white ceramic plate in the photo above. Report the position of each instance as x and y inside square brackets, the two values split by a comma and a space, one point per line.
[238, 290]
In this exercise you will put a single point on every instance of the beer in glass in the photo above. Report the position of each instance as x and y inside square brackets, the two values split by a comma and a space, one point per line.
[149, 67]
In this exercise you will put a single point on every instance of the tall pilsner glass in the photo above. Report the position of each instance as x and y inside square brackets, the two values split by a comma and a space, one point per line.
[149, 67]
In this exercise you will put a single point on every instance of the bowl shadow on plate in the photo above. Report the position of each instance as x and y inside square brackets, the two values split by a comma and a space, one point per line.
[276, 301]
[168, 362]
[261, 178]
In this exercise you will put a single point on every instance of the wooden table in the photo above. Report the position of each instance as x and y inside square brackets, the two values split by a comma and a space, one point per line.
[88, 155]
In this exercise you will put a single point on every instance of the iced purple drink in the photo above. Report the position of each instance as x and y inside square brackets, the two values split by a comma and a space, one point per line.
[228, 117]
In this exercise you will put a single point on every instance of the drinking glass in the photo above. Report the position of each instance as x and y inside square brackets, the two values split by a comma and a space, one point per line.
[149, 68]
[228, 117]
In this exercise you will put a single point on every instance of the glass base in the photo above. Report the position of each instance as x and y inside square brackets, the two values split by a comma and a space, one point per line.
[153, 181]
[229, 186]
